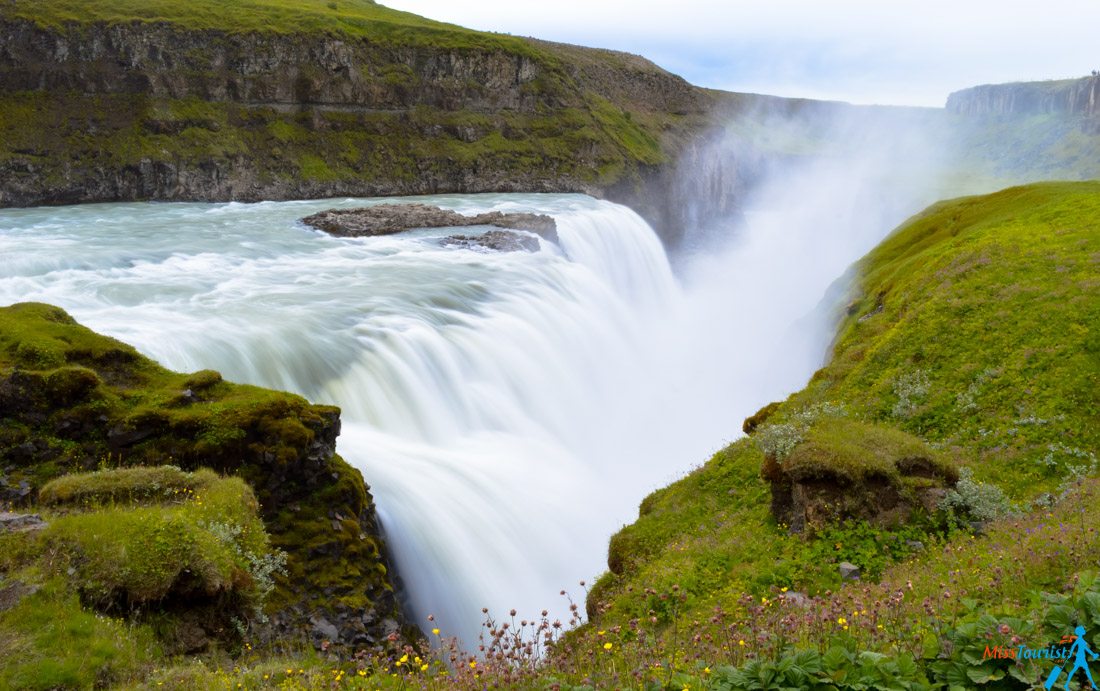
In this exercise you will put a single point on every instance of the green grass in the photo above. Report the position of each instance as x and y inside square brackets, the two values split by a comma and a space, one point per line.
[50, 641]
[348, 18]
[140, 484]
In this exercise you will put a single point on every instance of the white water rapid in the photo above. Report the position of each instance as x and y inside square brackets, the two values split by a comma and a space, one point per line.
[509, 410]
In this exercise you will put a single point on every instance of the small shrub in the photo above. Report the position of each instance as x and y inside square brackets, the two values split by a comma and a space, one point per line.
[911, 389]
[976, 500]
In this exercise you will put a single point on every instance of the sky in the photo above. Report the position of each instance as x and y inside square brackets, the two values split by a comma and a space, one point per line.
[899, 52]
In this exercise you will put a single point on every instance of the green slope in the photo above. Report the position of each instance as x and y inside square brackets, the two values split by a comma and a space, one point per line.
[976, 327]
[349, 18]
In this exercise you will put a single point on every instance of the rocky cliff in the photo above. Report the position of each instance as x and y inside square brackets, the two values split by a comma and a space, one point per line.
[98, 106]
[1067, 96]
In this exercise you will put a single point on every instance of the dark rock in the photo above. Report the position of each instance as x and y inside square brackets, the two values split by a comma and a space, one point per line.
[849, 571]
[499, 240]
[20, 522]
[13, 592]
[915, 545]
[387, 219]
[324, 630]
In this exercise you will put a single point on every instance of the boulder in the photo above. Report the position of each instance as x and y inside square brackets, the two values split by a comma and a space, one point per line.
[498, 240]
[387, 219]
[20, 522]
[849, 571]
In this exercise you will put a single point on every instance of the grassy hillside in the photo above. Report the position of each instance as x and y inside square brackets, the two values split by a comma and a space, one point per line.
[973, 327]
[349, 18]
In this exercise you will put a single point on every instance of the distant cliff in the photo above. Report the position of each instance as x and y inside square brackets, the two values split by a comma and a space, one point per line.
[1067, 96]
[329, 100]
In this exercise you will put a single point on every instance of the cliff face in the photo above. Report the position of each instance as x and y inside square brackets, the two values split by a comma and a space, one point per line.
[101, 111]
[1068, 97]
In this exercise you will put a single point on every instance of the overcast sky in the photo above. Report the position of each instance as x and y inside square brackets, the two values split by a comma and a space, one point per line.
[865, 51]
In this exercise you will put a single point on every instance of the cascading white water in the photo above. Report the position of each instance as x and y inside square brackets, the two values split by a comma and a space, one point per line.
[508, 409]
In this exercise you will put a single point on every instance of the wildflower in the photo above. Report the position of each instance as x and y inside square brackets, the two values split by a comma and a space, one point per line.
[706, 670]
[607, 646]
[473, 664]
[435, 632]
[362, 672]
[783, 589]
[424, 667]
[841, 620]
[741, 642]
[600, 633]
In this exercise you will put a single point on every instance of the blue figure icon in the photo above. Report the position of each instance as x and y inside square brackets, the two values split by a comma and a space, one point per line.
[1077, 651]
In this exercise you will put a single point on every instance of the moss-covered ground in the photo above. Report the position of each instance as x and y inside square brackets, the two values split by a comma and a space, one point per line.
[132, 565]
[72, 401]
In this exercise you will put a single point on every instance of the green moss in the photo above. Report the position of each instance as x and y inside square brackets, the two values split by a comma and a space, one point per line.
[197, 546]
[125, 485]
[85, 401]
[854, 452]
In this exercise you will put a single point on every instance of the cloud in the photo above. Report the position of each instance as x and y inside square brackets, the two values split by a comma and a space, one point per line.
[901, 51]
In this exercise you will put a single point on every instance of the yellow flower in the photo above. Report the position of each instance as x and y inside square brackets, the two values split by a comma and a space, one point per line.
[424, 667]
[600, 633]
[783, 589]
[841, 620]
[290, 671]
[473, 663]
[706, 670]
[435, 632]
[362, 672]
[741, 642]
[607, 646]
[405, 657]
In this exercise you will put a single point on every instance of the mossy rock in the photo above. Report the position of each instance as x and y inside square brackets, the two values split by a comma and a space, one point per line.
[845, 469]
[72, 400]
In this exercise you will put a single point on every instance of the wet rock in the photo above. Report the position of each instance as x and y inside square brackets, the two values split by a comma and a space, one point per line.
[849, 571]
[324, 630]
[20, 522]
[387, 219]
[498, 240]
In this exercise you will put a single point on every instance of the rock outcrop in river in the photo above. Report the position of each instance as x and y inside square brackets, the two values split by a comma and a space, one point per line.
[387, 219]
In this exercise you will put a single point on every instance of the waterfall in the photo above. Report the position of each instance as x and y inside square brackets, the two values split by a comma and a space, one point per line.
[509, 410]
